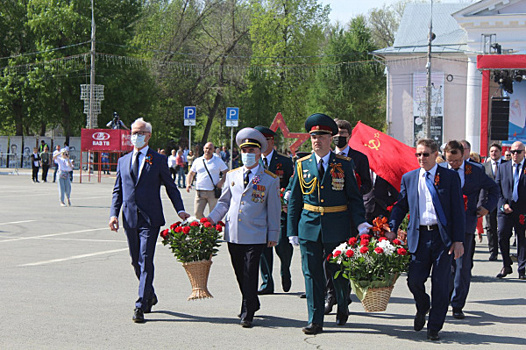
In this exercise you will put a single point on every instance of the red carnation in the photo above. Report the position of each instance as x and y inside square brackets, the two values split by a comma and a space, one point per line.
[382, 239]
[397, 241]
[465, 202]
[178, 229]
[194, 224]
[186, 230]
[173, 226]
[379, 250]
[165, 233]
[207, 224]
[366, 236]
[401, 251]
[219, 228]
[221, 223]
[364, 249]
[337, 253]
[349, 253]
[329, 257]
[364, 242]
[203, 220]
[389, 208]
[352, 241]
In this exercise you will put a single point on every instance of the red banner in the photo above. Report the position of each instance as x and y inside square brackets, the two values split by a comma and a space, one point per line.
[106, 140]
[388, 157]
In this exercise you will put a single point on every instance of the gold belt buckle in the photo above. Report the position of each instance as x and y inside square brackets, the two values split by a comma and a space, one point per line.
[321, 209]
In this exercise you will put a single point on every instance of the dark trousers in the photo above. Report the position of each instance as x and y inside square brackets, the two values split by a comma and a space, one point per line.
[505, 223]
[141, 243]
[284, 250]
[431, 254]
[245, 261]
[45, 169]
[35, 173]
[491, 232]
[462, 273]
[313, 255]
[173, 173]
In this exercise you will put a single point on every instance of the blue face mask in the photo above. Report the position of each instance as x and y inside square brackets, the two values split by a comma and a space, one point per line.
[249, 159]
[138, 140]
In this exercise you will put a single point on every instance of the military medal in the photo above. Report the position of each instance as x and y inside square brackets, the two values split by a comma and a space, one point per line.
[337, 176]
[258, 193]
[279, 170]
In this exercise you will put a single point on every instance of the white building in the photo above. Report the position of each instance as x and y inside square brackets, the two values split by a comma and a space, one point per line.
[462, 32]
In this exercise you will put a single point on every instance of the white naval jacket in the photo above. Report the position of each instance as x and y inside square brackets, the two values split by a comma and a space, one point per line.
[252, 213]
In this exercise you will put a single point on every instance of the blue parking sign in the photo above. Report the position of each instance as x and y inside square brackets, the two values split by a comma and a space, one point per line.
[232, 116]
[190, 115]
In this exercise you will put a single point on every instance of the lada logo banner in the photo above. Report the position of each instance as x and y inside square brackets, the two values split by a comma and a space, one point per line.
[105, 140]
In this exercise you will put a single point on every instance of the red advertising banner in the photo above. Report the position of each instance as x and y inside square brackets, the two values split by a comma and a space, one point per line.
[106, 140]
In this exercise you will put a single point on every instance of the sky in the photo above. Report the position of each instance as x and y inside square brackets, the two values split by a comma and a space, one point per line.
[344, 10]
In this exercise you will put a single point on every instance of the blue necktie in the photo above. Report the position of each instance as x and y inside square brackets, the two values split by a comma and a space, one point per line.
[516, 178]
[135, 167]
[436, 200]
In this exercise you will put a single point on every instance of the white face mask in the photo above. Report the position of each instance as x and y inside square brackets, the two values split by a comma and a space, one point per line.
[138, 140]
[249, 159]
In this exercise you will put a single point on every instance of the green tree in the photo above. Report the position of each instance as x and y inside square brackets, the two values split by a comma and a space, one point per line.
[356, 89]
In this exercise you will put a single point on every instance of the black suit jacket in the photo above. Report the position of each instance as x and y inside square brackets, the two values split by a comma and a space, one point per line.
[281, 166]
[382, 196]
[361, 164]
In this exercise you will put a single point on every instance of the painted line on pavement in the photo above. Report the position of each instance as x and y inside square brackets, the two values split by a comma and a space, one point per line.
[53, 235]
[74, 257]
[15, 222]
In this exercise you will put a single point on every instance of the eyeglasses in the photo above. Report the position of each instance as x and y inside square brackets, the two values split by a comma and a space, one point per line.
[140, 133]
[519, 151]
[425, 155]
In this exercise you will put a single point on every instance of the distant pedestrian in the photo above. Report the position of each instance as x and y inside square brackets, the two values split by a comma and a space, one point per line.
[43, 145]
[105, 160]
[172, 164]
[46, 161]
[181, 181]
[35, 164]
[64, 181]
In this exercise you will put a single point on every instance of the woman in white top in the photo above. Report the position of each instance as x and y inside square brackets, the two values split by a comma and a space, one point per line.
[64, 182]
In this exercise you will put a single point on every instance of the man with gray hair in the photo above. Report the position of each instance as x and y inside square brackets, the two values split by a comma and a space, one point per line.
[137, 185]
[208, 170]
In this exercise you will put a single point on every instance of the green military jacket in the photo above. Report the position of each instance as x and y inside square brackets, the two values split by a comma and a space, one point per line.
[324, 207]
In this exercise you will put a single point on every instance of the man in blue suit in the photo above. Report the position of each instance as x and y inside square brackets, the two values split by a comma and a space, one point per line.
[139, 177]
[435, 233]
[511, 210]
[481, 194]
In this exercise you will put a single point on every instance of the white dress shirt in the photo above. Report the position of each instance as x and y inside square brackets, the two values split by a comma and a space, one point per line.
[325, 161]
[344, 152]
[252, 172]
[142, 157]
[268, 157]
[428, 215]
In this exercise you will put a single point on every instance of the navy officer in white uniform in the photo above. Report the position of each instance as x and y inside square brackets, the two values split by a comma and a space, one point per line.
[251, 202]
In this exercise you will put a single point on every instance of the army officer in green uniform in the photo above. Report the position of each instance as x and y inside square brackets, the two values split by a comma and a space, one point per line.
[282, 166]
[323, 195]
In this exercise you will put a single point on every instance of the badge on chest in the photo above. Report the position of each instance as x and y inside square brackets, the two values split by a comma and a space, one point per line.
[337, 176]
[258, 193]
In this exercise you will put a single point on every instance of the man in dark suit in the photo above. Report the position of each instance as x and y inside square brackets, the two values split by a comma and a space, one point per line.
[137, 186]
[481, 194]
[512, 209]
[324, 194]
[435, 233]
[382, 196]
[283, 168]
[492, 167]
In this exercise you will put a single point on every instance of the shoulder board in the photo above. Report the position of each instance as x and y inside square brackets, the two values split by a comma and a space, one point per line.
[339, 156]
[304, 158]
[271, 174]
[236, 169]
[281, 155]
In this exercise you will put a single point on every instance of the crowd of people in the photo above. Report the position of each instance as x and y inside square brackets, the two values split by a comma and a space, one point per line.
[330, 195]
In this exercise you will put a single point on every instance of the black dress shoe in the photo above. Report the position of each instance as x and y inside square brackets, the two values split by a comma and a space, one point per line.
[286, 283]
[505, 271]
[312, 328]
[420, 321]
[138, 315]
[150, 303]
[522, 276]
[492, 257]
[265, 291]
[458, 314]
[303, 295]
[432, 335]
[246, 324]
[342, 317]
[329, 304]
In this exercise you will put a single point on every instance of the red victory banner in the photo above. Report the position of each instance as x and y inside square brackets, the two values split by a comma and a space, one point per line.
[105, 140]
[388, 157]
